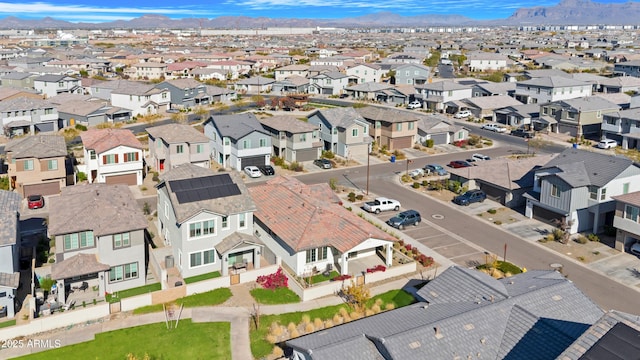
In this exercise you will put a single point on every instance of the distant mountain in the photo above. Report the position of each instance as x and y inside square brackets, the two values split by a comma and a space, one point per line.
[567, 12]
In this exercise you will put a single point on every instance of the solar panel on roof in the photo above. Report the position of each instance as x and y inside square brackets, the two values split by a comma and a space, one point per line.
[204, 188]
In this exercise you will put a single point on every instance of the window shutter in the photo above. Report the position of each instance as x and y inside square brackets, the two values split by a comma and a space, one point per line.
[137, 156]
[116, 156]
[104, 159]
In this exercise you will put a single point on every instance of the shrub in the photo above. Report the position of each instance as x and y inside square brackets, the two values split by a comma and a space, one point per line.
[274, 281]
[416, 185]
[492, 211]
[401, 242]
[498, 222]
[341, 277]
[359, 197]
[351, 196]
[429, 143]
[414, 251]
[408, 247]
[328, 154]
[278, 161]
[425, 183]
[593, 237]
[156, 176]
[581, 239]
[558, 234]
[581, 258]
[405, 178]
[81, 127]
[296, 166]
[82, 176]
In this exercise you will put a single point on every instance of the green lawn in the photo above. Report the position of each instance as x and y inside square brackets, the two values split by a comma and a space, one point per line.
[188, 341]
[504, 266]
[7, 323]
[277, 296]
[321, 278]
[202, 277]
[209, 298]
[261, 347]
[133, 292]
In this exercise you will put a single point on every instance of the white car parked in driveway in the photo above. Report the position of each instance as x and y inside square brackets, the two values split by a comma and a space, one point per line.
[607, 144]
[494, 128]
[253, 171]
[462, 114]
[415, 104]
[416, 173]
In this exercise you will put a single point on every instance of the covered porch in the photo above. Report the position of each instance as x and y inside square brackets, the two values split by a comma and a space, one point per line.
[239, 252]
[365, 255]
[80, 277]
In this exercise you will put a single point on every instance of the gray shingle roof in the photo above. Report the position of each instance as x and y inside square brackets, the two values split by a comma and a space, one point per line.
[553, 82]
[77, 265]
[9, 208]
[24, 103]
[375, 113]
[236, 126]
[177, 133]
[288, 123]
[37, 146]
[339, 117]
[582, 168]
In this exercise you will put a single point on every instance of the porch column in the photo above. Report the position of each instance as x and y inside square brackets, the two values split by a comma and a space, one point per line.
[596, 222]
[389, 257]
[345, 266]
[102, 283]
[528, 212]
[62, 296]
[224, 268]
[256, 258]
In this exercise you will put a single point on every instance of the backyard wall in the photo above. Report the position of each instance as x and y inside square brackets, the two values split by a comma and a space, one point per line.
[395, 270]
[134, 302]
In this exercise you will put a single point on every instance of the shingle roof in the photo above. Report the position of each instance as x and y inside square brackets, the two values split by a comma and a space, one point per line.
[177, 133]
[582, 168]
[375, 113]
[102, 140]
[37, 146]
[288, 123]
[77, 265]
[553, 82]
[10, 203]
[341, 117]
[24, 103]
[236, 126]
[106, 209]
[236, 239]
[300, 215]
[632, 198]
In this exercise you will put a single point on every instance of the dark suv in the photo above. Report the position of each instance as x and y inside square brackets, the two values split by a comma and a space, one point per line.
[470, 197]
[409, 217]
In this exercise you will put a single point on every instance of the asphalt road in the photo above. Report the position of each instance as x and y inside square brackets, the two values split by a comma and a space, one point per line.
[606, 293]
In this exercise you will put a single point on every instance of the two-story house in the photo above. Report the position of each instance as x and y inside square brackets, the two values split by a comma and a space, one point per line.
[254, 85]
[173, 144]
[98, 231]
[391, 128]
[37, 164]
[435, 95]
[412, 74]
[206, 218]
[579, 116]
[148, 70]
[10, 204]
[293, 139]
[284, 72]
[627, 68]
[485, 61]
[52, 85]
[328, 83]
[141, 99]
[238, 140]
[343, 131]
[624, 127]
[627, 220]
[26, 115]
[113, 156]
[18, 79]
[577, 186]
[364, 73]
[186, 93]
[551, 88]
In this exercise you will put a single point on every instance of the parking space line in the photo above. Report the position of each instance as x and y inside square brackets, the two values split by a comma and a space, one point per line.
[459, 256]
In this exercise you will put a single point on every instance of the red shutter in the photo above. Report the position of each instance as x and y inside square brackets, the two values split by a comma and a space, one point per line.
[104, 159]
[137, 156]
[116, 158]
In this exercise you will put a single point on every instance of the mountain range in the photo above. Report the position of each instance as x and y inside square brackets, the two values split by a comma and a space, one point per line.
[567, 12]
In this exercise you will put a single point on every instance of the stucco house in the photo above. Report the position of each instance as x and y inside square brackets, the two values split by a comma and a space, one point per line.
[343, 131]
[627, 220]
[551, 88]
[113, 156]
[579, 116]
[391, 128]
[10, 204]
[435, 95]
[52, 85]
[293, 139]
[173, 144]
[185, 93]
[27, 115]
[328, 83]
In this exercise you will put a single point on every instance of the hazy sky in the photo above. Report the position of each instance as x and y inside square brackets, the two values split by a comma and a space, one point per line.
[100, 11]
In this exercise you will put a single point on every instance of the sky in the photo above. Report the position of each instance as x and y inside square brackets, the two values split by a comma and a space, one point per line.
[96, 11]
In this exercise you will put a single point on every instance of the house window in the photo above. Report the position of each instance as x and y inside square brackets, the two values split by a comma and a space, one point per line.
[78, 240]
[625, 188]
[555, 191]
[599, 113]
[631, 212]
[411, 125]
[398, 126]
[202, 228]
[179, 149]
[202, 258]
[354, 132]
[226, 141]
[123, 272]
[571, 115]
[199, 149]
[246, 144]
[92, 154]
[225, 222]
[610, 121]
[242, 221]
[28, 165]
[545, 111]
[132, 156]
[603, 193]
[52, 164]
[593, 192]
[318, 254]
[110, 159]
[303, 137]
[263, 142]
[378, 125]
[335, 131]
[121, 240]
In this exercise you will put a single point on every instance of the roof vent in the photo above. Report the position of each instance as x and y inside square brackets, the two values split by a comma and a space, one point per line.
[438, 335]
[556, 297]
[483, 341]
[414, 345]
[469, 327]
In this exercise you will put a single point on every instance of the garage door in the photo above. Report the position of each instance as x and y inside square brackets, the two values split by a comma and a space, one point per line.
[545, 215]
[440, 139]
[252, 160]
[127, 179]
[51, 188]
[306, 154]
[401, 143]
[493, 193]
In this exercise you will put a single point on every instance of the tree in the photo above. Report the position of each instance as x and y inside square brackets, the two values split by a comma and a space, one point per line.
[356, 295]
[537, 143]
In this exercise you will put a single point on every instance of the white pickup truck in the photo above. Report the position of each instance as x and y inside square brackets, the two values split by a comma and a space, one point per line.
[381, 204]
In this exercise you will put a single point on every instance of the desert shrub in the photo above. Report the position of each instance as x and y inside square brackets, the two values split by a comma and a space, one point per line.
[425, 183]
[328, 154]
[405, 178]
[389, 306]
[328, 324]
[593, 237]
[498, 222]
[337, 319]
[401, 242]
[306, 319]
[294, 334]
[291, 327]
[492, 211]
[359, 197]
[581, 239]
[277, 352]
[81, 127]
[351, 196]
[309, 328]
[318, 323]
[375, 308]
[581, 258]
[455, 186]
[278, 161]
[557, 234]
[416, 185]
[429, 143]
[296, 166]
[271, 339]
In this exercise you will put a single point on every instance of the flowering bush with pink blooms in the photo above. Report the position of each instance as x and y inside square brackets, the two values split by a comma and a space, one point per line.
[274, 281]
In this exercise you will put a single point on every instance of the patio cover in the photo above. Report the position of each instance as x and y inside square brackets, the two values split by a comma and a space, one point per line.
[236, 240]
[545, 120]
[78, 265]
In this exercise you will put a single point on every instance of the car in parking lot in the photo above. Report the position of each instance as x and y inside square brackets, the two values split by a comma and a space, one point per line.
[409, 217]
[494, 127]
[415, 104]
[607, 144]
[35, 201]
[252, 171]
[323, 163]
[267, 170]
[416, 173]
[470, 197]
[460, 164]
[462, 114]
[435, 169]
[520, 132]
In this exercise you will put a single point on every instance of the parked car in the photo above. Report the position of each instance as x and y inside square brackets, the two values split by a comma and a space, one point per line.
[459, 164]
[381, 204]
[635, 249]
[607, 144]
[344, 96]
[416, 173]
[323, 163]
[520, 132]
[267, 170]
[470, 197]
[415, 104]
[480, 157]
[494, 128]
[252, 171]
[409, 217]
[462, 114]
[35, 201]
[435, 169]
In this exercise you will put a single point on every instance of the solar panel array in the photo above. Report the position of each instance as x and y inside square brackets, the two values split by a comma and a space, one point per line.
[204, 188]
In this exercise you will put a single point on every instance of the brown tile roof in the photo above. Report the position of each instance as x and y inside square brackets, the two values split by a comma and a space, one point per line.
[77, 265]
[632, 198]
[310, 216]
[105, 209]
[102, 140]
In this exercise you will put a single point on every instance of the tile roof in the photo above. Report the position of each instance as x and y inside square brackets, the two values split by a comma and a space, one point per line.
[300, 215]
[468, 314]
[632, 198]
[37, 146]
[582, 168]
[10, 203]
[80, 107]
[236, 126]
[77, 265]
[177, 133]
[106, 209]
[223, 205]
[101, 140]
[288, 123]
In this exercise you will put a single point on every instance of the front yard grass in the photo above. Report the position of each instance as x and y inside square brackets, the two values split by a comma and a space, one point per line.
[7, 323]
[260, 347]
[209, 298]
[277, 296]
[207, 276]
[188, 341]
[321, 278]
[133, 292]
